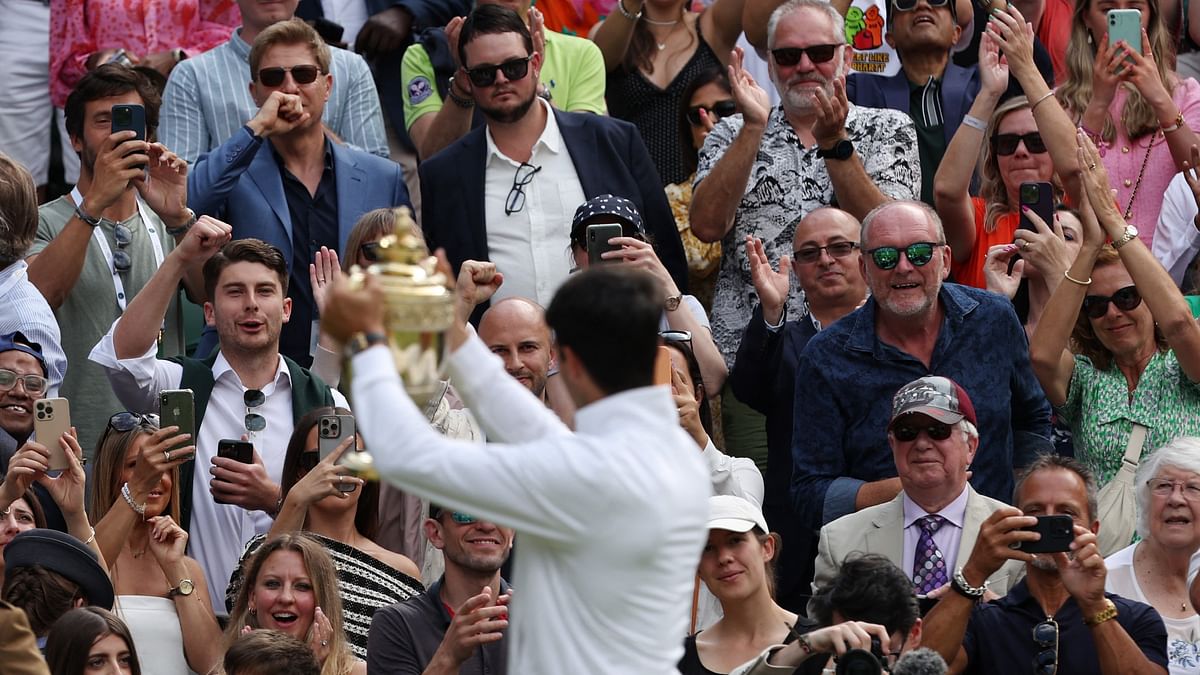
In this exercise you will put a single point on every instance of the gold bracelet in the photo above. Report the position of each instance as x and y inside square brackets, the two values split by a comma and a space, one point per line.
[1039, 101]
[1068, 277]
[1106, 614]
[91, 538]
[1179, 122]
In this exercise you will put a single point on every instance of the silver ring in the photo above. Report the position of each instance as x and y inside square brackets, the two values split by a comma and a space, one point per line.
[1092, 166]
[1024, 245]
[167, 454]
[324, 643]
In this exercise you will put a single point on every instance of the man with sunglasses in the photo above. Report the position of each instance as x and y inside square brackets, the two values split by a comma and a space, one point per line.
[1058, 619]
[913, 324]
[281, 180]
[458, 625]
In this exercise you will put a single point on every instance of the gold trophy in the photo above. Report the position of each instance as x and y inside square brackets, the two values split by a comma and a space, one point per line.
[419, 310]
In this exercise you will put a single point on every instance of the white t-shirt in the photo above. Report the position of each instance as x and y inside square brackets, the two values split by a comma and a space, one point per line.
[1183, 635]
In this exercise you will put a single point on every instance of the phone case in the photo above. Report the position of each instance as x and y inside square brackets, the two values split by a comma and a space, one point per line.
[177, 409]
[1125, 24]
[1039, 197]
[597, 241]
[237, 450]
[662, 366]
[1057, 534]
[51, 419]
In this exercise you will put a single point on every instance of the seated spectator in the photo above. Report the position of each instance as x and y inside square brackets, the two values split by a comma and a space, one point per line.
[280, 179]
[20, 514]
[135, 500]
[1029, 269]
[206, 101]
[1177, 238]
[245, 389]
[270, 652]
[459, 624]
[18, 648]
[932, 524]
[737, 567]
[90, 640]
[1156, 570]
[1076, 626]
[23, 308]
[291, 586]
[1028, 139]
[1132, 386]
[47, 573]
[912, 325]
[571, 78]
[341, 513]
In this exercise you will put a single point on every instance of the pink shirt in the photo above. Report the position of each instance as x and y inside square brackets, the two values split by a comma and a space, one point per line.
[1123, 159]
[80, 27]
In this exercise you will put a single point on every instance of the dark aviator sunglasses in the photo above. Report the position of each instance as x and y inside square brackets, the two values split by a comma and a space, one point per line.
[273, 77]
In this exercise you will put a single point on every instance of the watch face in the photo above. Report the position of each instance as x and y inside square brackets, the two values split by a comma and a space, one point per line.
[186, 587]
[673, 303]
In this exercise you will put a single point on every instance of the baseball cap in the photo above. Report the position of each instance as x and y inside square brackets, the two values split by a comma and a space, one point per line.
[623, 210]
[60, 552]
[727, 512]
[938, 397]
[16, 341]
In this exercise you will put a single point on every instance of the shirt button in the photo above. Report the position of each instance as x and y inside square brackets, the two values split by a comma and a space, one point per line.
[1125, 150]
[1128, 182]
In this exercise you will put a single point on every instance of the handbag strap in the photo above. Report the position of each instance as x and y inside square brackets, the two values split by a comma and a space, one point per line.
[1133, 450]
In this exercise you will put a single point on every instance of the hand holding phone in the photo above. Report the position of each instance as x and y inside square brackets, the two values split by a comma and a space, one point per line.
[1057, 533]
[597, 242]
[52, 419]
[332, 430]
[130, 117]
[1125, 25]
[176, 407]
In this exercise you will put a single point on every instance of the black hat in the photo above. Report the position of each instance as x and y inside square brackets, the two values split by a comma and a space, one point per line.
[60, 552]
[620, 208]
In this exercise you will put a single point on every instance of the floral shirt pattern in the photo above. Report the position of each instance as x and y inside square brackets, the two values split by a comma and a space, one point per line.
[786, 182]
[1101, 415]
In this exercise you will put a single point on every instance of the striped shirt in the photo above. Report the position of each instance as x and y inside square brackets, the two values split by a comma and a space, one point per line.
[22, 308]
[208, 99]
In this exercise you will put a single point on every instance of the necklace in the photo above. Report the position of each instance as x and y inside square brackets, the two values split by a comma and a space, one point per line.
[666, 38]
[652, 22]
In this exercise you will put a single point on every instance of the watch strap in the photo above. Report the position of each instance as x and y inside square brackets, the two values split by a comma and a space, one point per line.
[82, 215]
[1129, 235]
[840, 150]
[176, 231]
[1109, 612]
[364, 341]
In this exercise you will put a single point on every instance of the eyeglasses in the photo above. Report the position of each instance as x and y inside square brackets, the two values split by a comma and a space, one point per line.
[35, 385]
[124, 236]
[462, 518]
[1045, 635]
[370, 251]
[255, 422]
[485, 75]
[717, 111]
[1006, 144]
[790, 56]
[811, 254]
[516, 196]
[273, 77]
[1126, 299]
[919, 254]
[910, 5]
[1162, 487]
[309, 459]
[938, 431]
[128, 421]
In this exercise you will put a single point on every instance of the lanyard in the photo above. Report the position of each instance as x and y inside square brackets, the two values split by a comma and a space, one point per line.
[102, 242]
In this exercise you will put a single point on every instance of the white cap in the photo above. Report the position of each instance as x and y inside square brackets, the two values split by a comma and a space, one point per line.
[727, 512]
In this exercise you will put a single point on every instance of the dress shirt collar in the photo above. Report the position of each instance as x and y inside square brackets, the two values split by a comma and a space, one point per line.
[954, 301]
[955, 512]
[221, 368]
[12, 274]
[240, 46]
[551, 138]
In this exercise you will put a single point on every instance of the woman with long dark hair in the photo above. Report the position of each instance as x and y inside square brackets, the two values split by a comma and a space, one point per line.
[91, 641]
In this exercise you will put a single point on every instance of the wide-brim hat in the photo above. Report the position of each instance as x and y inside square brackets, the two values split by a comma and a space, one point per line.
[60, 552]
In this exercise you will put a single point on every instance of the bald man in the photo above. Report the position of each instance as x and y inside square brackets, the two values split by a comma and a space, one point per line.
[515, 330]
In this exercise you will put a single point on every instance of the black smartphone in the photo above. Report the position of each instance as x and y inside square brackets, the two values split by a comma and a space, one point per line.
[177, 408]
[1057, 534]
[925, 603]
[597, 241]
[239, 451]
[1038, 197]
[130, 117]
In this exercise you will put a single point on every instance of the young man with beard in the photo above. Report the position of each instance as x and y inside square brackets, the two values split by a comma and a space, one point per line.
[458, 625]
[245, 390]
[506, 192]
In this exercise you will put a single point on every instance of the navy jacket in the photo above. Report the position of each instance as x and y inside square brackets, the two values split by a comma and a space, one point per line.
[959, 87]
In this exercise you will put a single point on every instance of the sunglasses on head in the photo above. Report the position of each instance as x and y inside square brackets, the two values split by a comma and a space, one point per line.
[1096, 306]
[919, 254]
[1045, 636]
[35, 385]
[811, 254]
[128, 421]
[485, 75]
[790, 56]
[938, 431]
[717, 111]
[1006, 144]
[273, 77]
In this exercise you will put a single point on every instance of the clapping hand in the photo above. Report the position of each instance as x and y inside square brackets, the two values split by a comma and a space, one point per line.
[478, 621]
[751, 99]
[771, 285]
[323, 271]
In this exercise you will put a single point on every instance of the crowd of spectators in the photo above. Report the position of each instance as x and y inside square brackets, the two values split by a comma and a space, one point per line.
[761, 359]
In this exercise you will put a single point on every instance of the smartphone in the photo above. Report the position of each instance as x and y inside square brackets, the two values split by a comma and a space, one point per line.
[597, 241]
[130, 117]
[331, 431]
[177, 409]
[1125, 24]
[925, 604]
[662, 366]
[1039, 197]
[52, 418]
[1057, 534]
[237, 450]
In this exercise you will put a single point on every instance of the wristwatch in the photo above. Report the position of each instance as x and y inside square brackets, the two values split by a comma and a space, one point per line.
[840, 150]
[184, 588]
[364, 341]
[176, 231]
[1109, 612]
[960, 585]
[673, 302]
[90, 220]
[1131, 233]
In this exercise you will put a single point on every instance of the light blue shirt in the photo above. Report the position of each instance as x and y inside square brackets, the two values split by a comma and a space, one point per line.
[22, 308]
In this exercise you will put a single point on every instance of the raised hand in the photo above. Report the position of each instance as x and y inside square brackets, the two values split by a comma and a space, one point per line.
[118, 162]
[156, 458]
[325, 479]
[28, 463]
[1141, 71]
[993, 68]
[384, 32]
[279, 114]
[349, 312]
[752, 99]
[689, 409]
[453, 30]
[1096, 187]
[995, 270]
[322, 271]
[993, 546]
[771, 285]
[204, 239]
[478, 621]
[639, 254]
[1109, 61]
[477, 283]
[67, 488]
[168, 541]
[1044, 247]
[319, 635]
[1015, 37]
[164, 184]
[831, 114]
[537, 29]
[1083, 571]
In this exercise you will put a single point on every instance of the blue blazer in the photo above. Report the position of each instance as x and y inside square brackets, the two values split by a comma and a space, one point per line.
[959, 87]
[609, 157]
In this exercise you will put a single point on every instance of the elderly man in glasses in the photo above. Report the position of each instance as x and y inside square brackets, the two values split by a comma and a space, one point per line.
[1059, 617]
[281, 179]
[914, 324]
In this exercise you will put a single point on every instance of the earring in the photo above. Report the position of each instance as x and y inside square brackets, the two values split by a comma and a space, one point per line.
[253, 611]
[1089, 38]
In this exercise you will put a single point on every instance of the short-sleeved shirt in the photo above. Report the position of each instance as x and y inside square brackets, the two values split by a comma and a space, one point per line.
[573, 72]
[998, 638]
[90, 309]
[1101, 416]
[787, 181]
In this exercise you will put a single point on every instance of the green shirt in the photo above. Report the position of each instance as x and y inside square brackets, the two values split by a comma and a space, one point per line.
[91, 308]
[1101, 414]
[573, 71]
[925, 109]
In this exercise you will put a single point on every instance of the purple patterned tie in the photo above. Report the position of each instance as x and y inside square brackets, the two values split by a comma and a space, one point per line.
[929, 569]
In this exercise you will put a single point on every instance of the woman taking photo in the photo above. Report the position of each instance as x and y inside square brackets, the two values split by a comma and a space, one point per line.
[162, 594]
[291, 586]
[91, 641]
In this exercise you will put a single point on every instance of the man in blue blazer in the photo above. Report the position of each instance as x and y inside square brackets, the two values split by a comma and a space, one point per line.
[934, 91]
[506, 192]
[282, 180]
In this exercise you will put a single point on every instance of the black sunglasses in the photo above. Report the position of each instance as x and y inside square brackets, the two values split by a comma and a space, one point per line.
[516, 195]
[910, 5]
[1006, 144]
[254, 398]
[128, 421]
[35, 385]
[717, 111]
[790, 56]
[919, 254]
[370, 251]
[309, 459]
[1045, 635]
[938, 431]
[811, 254]
[1096, 306]
[273, 77]
[124, 237]
[485, 75]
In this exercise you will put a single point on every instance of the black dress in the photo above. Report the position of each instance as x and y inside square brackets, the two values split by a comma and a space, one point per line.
[690, 663]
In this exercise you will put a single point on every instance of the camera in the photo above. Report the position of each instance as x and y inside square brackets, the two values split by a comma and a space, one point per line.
[863, 662]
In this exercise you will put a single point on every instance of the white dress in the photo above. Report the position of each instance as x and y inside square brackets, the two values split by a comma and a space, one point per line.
[1183, 635]
[156, 631]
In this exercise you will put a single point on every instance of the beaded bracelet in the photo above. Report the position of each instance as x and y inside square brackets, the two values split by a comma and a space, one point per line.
[139, 509]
